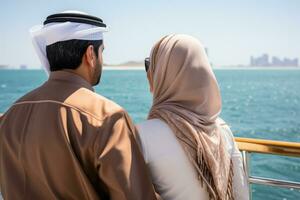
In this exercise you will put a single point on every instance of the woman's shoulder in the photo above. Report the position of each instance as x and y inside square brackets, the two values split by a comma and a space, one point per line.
[153, 123]
[157, 139]
[153, 127]
[226, 132]
[225, 128]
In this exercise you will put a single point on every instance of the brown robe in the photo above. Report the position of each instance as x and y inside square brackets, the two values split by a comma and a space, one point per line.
[63, 141]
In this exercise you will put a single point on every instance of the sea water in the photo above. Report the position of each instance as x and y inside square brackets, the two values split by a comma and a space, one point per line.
[257, 103]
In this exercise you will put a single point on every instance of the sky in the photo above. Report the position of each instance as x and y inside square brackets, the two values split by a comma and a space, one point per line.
[231, 30]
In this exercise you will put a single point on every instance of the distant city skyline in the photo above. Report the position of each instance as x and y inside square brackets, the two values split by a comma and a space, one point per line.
[232, 30]
[264, 61]
[260, 61]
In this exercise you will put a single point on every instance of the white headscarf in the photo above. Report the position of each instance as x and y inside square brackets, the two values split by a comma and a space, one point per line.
[44, 35]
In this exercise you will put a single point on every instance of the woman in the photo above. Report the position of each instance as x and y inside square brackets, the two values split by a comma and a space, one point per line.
[189, 150]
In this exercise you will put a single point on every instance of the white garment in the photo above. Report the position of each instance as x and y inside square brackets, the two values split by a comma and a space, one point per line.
[44, 35]
[172, 174]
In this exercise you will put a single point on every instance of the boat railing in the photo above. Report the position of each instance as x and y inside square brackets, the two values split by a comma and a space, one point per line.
[249, 146]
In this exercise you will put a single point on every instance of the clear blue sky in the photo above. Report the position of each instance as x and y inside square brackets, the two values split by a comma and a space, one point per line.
[232, 30]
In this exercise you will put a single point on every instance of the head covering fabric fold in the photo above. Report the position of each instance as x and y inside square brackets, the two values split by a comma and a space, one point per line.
[186, 96]
[44, 35]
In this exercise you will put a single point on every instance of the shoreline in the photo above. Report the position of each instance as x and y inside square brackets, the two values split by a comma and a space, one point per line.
[214, 68]
[123, 68]
[138, 68]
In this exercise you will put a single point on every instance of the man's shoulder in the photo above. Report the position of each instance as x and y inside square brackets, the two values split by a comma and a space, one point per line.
[30, 96]
[82, 100]
[93, 104]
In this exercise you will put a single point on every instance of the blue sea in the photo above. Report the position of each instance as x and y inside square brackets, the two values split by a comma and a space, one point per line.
[257, 103]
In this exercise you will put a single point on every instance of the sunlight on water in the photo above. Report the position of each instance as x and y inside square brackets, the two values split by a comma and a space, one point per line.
[256, 103]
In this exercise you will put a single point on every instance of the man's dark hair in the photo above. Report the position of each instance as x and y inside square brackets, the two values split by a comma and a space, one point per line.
[68, 54]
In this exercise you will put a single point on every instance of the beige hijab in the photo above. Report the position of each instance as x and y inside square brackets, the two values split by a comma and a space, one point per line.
[186, 96]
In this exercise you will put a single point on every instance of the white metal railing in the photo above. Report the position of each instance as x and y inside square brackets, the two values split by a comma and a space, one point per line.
[249, 146]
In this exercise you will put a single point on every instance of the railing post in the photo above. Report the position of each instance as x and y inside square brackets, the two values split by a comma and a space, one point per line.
[246, 164]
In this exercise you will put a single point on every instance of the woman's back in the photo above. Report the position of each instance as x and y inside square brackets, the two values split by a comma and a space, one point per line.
[192, 147]
[172, 173]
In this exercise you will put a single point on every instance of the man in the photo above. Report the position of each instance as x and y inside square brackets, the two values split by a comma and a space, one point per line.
[62, 140]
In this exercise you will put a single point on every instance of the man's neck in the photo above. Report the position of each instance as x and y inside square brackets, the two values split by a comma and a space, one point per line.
[78, 73]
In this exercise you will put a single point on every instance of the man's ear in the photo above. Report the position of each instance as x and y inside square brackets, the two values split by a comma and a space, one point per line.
[90, 57]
